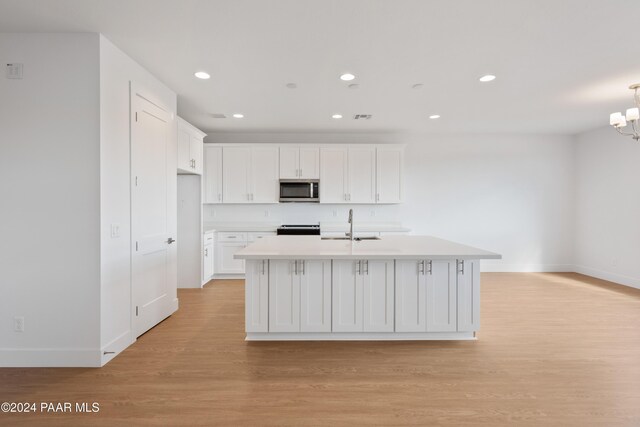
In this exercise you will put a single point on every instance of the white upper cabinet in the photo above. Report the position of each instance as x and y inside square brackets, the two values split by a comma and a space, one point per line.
[389, 166]
[289, 161]
[333, 174]
[212, 176]
[362, 174]
[265, 186]
[250, 174]
[299, 162]
[309, 162]
[348, 174]
[190, 143]
[236, 168]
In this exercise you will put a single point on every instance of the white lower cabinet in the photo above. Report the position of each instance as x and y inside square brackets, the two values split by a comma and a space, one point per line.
[378, 293]
[207, 261]
[315, 296]
[363, 292]
[347, 296]
[300, 296]
[226, 264]
[284, 296]
[257, 296]
[441, 295]
[468, 301]
[411, 301]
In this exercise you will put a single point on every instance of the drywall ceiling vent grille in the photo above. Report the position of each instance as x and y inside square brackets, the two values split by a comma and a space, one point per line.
[362, 117]
[218, 116]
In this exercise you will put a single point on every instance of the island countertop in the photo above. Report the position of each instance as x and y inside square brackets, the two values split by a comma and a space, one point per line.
[388, 247]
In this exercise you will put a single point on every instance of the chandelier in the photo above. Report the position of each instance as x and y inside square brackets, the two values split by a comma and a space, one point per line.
[618, 121]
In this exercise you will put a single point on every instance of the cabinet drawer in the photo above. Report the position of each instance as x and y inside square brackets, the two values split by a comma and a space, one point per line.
[252, 237]
[232, 237]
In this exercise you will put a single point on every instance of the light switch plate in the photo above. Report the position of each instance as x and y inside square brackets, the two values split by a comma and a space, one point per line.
[14, 71]
[115, 231]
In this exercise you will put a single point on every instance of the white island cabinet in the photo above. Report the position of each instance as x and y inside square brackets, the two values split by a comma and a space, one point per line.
[394, 288]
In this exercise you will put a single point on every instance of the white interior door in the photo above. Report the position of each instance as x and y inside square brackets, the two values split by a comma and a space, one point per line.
[152, 226]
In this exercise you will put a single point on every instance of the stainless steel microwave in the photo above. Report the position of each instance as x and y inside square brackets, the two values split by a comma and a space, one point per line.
[300, 190]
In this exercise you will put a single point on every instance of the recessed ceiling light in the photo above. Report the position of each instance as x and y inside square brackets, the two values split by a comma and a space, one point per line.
[292, 85]
[347, 77]
[238, 115]
[434, 116]
[417, 86]
[487, 78]
[336, 116]
[202, 75]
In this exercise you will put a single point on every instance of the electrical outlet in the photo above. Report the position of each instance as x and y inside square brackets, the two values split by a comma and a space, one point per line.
[115, 231]
[266, 213]
[373, 213]
[335, 213]
[18, 324]
[213, 213]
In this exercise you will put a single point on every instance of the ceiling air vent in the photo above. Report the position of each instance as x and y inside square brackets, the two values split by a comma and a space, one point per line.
[218, 116]
[362, 117]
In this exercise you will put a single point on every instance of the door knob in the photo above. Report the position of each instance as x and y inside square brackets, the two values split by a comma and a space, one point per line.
[170, 240]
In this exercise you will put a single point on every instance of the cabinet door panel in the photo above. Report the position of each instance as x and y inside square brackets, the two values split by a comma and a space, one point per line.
[410, 297]
[315, 296]
[346, 297]
[378, 294]
[265, 175]
[195, 151]
[235, 170]
[469, 296]
[362, 177]
[284, 297]
[184, 146]
[227, 264]
[309, 162]
[212, 177]
[441, 296]
[257, 296]
[333, 174]
[289, 156]
[389, 164]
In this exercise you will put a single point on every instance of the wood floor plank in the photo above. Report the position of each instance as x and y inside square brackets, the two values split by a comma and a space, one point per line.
[553, 349]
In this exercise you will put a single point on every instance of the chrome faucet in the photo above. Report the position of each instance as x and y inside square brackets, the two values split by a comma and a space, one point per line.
[350, 233]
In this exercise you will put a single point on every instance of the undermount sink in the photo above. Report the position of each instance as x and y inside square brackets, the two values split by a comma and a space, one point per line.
[356, 239]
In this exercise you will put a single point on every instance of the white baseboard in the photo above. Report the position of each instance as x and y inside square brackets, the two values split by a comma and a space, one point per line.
[359, 336]
[525, 268]
[609, 276]
[116, 346]
[50, 358]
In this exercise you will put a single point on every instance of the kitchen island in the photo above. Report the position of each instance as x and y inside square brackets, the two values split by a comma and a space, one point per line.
[390, 288]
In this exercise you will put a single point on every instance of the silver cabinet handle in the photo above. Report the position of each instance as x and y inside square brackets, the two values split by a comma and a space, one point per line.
[303, 266]
[461, 266]
[300, 172]
[421, 267]
[430, 269]
[296, 263]
[206, 251]
[377, 197]
[358, 267]
[366, 263]
[263, 267]
[349, 196]
[219, 196]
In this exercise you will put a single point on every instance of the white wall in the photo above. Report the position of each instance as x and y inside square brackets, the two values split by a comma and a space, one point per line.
[49, 200]
[116, 72]
[608, 206]
[513, 194]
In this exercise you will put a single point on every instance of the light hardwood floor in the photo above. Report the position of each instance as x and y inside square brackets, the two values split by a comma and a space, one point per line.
[554, 350]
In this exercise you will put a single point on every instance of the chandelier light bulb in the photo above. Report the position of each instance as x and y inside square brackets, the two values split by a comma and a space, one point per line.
[633, 114]
[615, 119]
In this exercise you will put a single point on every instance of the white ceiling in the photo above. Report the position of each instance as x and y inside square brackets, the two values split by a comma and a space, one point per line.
[562, 66]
